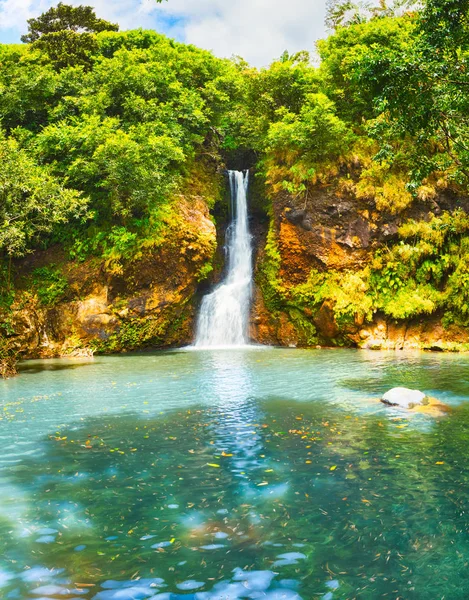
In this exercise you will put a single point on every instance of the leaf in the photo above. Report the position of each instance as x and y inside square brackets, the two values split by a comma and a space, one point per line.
[440, 462]
[213, 465]
[333, 468]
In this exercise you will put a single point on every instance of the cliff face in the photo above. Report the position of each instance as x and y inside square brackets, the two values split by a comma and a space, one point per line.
[315, 268]
[148, 301]
[314, 275]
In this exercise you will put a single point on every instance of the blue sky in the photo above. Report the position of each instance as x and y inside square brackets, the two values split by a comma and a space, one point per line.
[257, 30]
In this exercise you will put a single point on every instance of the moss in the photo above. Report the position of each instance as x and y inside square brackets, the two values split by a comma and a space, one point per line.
[304, 327]
[50, 285]
[205, 271]
[8, 356]
[268, 273]
[147, 332]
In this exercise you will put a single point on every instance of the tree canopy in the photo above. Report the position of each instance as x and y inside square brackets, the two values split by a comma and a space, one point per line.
[32, 201]
[64, 17]
[101, 128]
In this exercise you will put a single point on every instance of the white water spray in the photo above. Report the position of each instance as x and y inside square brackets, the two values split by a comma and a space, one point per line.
[224, 314]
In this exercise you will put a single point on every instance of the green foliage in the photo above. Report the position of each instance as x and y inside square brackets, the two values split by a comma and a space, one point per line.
[299, 144]
[305, 329]
[66, 34]
[123, 130]
[420, 275]
[205, 271]
[50, 285]
[67, 48]
[411, 301]
[103, 129]
[268, 275]
[7, 293]
[345, 52]
[66, 17]
[8, 356]
[32, 202]
[419, 86]
[260, 95]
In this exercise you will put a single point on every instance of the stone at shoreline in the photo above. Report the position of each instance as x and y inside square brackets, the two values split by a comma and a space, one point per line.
[403, 397]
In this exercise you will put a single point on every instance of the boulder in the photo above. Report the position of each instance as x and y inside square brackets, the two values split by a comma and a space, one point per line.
[403, 397]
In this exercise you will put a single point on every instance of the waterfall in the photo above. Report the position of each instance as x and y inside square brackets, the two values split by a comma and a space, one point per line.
[224, 314]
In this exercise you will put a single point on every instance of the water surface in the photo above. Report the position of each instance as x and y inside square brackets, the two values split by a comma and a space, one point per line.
[271, 474]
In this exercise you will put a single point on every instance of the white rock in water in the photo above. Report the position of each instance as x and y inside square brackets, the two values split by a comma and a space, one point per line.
[403, 397]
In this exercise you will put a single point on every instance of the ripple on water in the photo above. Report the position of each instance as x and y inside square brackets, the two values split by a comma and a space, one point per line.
[233, 461]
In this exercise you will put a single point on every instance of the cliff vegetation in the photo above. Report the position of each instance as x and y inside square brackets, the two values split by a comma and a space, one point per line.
[113, 147]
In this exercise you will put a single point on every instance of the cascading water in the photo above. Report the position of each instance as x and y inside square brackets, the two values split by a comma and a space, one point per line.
[224, 314]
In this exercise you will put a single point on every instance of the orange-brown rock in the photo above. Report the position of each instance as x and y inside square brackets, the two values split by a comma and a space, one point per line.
[334, 231]
[433, 407]
[325, 321]
[149, 301]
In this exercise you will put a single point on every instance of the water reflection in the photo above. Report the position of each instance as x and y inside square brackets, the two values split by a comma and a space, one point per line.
[237, 415]
[211, 486]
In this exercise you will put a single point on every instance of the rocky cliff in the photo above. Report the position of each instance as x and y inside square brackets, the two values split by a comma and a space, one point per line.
[319, 271]
[148, 301]
[322, 274]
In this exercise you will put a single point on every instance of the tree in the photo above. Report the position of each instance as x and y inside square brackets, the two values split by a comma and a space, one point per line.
[300, 145]
[63, 17]
[343, 13]
[32, 202]
[420, 89]
[67, 34]
[345, 54]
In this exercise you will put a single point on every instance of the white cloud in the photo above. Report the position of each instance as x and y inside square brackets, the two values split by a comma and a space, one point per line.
[257, 30]
[128, 13]
[14, 13]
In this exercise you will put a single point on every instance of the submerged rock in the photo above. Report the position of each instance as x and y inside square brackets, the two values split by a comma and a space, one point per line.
[415, 401]
[403, 397]
[433, 408]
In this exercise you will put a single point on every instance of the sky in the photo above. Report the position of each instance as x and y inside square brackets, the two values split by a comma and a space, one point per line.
[257, 30]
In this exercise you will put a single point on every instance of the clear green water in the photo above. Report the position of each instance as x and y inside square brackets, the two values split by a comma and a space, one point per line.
[271, 474]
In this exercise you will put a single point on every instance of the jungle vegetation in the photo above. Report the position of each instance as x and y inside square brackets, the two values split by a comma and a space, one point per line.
[99, 128]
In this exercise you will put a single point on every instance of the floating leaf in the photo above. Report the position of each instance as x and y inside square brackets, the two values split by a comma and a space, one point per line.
[213, 465]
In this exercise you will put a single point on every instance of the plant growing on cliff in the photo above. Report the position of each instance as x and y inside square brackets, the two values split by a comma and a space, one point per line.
[50, 285]
[301, 146]
[8, 356]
